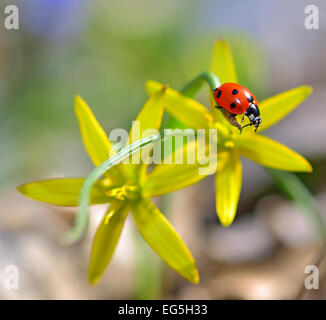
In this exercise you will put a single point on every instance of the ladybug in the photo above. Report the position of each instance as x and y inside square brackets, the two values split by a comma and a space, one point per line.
[233, 99]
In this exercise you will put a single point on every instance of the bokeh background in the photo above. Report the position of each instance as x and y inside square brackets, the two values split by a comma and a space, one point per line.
[105, 51]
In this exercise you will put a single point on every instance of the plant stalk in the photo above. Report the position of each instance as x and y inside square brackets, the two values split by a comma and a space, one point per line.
[192, 87]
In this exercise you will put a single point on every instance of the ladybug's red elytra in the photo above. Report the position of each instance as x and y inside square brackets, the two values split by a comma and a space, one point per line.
[233, 99]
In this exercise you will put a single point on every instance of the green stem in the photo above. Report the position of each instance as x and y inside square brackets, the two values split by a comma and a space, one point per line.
[192, 87]
[296, 190]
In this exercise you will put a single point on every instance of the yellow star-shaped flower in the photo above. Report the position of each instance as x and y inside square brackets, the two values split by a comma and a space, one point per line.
[122, 187]
[231, 145]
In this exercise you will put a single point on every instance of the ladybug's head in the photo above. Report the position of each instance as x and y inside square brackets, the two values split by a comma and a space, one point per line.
[254, 115]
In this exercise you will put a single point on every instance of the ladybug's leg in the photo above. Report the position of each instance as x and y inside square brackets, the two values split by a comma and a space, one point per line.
[242, 119]
[230, 117]
[233, 120]
[249, 124]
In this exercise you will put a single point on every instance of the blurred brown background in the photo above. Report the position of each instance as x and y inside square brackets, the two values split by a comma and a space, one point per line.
[105, 51]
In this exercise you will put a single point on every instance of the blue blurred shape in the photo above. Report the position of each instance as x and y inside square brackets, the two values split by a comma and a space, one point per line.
[53, 19]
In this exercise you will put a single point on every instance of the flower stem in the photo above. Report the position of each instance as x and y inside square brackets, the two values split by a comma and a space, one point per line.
[192, 87]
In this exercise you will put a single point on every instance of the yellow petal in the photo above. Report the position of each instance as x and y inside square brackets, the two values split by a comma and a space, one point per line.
[222, 63]
[106, 239]
[186, 110]
[63, 191]
[228, 182]
[270, 153]
[150, 117]
[165, 178]
[163, 239]
[279, 106]
[95, 139]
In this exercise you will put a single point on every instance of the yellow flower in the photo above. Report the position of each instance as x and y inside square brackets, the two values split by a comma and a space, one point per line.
[122, 187]
[231, 145]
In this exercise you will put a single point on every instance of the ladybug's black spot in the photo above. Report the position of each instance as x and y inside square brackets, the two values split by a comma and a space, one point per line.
[232, 105]
[250, 99]
[219, 93]
[234, 91]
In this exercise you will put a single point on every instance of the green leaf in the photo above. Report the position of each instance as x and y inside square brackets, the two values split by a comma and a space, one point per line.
[228, 182]
[222, 63]
[296, 190]
[149, 271]
[63, 191]
[163, 239]
[270, 153]
[186, 110]
[106, 239]
[279, 106]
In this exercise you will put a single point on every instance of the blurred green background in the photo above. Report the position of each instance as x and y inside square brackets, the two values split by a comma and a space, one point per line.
[105, 51]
